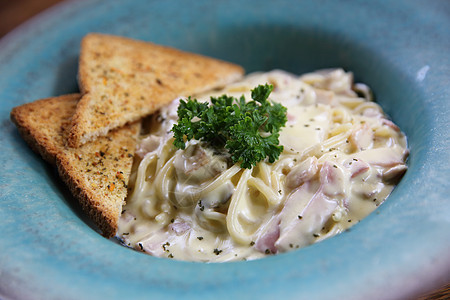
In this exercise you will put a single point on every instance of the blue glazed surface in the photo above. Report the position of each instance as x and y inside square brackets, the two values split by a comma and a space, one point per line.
[48, 249]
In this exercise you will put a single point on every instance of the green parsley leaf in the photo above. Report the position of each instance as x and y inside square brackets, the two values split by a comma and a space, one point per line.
[248, 130]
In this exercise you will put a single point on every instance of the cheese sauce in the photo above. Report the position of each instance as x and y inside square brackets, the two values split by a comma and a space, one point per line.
[342, 157]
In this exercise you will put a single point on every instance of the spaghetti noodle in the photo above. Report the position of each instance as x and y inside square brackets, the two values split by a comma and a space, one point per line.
[341, 159]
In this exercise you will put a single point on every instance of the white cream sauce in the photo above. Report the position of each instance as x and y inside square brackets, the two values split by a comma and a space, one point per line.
[341, 159]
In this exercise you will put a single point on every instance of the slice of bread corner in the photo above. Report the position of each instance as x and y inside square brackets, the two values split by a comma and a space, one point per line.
[123, 80]
[97, 173]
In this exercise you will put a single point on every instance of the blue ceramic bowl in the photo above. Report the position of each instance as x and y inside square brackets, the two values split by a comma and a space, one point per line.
[48, 250]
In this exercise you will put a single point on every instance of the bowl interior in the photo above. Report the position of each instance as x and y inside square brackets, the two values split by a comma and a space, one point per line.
[299, 50]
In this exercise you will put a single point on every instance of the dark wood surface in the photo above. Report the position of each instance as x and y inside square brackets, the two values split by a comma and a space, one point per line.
[15, 12]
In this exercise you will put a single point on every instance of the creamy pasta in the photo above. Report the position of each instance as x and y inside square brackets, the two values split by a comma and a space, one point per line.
[342, 157]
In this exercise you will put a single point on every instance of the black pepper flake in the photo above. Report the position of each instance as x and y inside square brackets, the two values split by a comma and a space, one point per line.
[170, 255]
[315, 235]
[300, 217]
[125, 233]
[102, 153]
[130, 155]
[217, 251]
[252, 243]
[349, 221]
[291, 245]
[123, 211]
[267, 251]
[173, 220]
[166, 245]
[140, 246]
[334, 166]
[306, 125]
[200, 238]
[158, 81]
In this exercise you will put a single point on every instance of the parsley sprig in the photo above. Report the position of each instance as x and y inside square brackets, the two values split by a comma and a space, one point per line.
[248, 130]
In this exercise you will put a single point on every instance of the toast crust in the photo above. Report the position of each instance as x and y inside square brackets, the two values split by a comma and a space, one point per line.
[32, 121]
[97, 173]
[123, 80]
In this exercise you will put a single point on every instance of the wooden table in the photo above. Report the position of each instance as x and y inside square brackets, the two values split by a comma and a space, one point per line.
[15, 12]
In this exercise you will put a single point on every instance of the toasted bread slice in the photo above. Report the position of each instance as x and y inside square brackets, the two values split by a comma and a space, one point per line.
[96, 173]
[123, 80]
